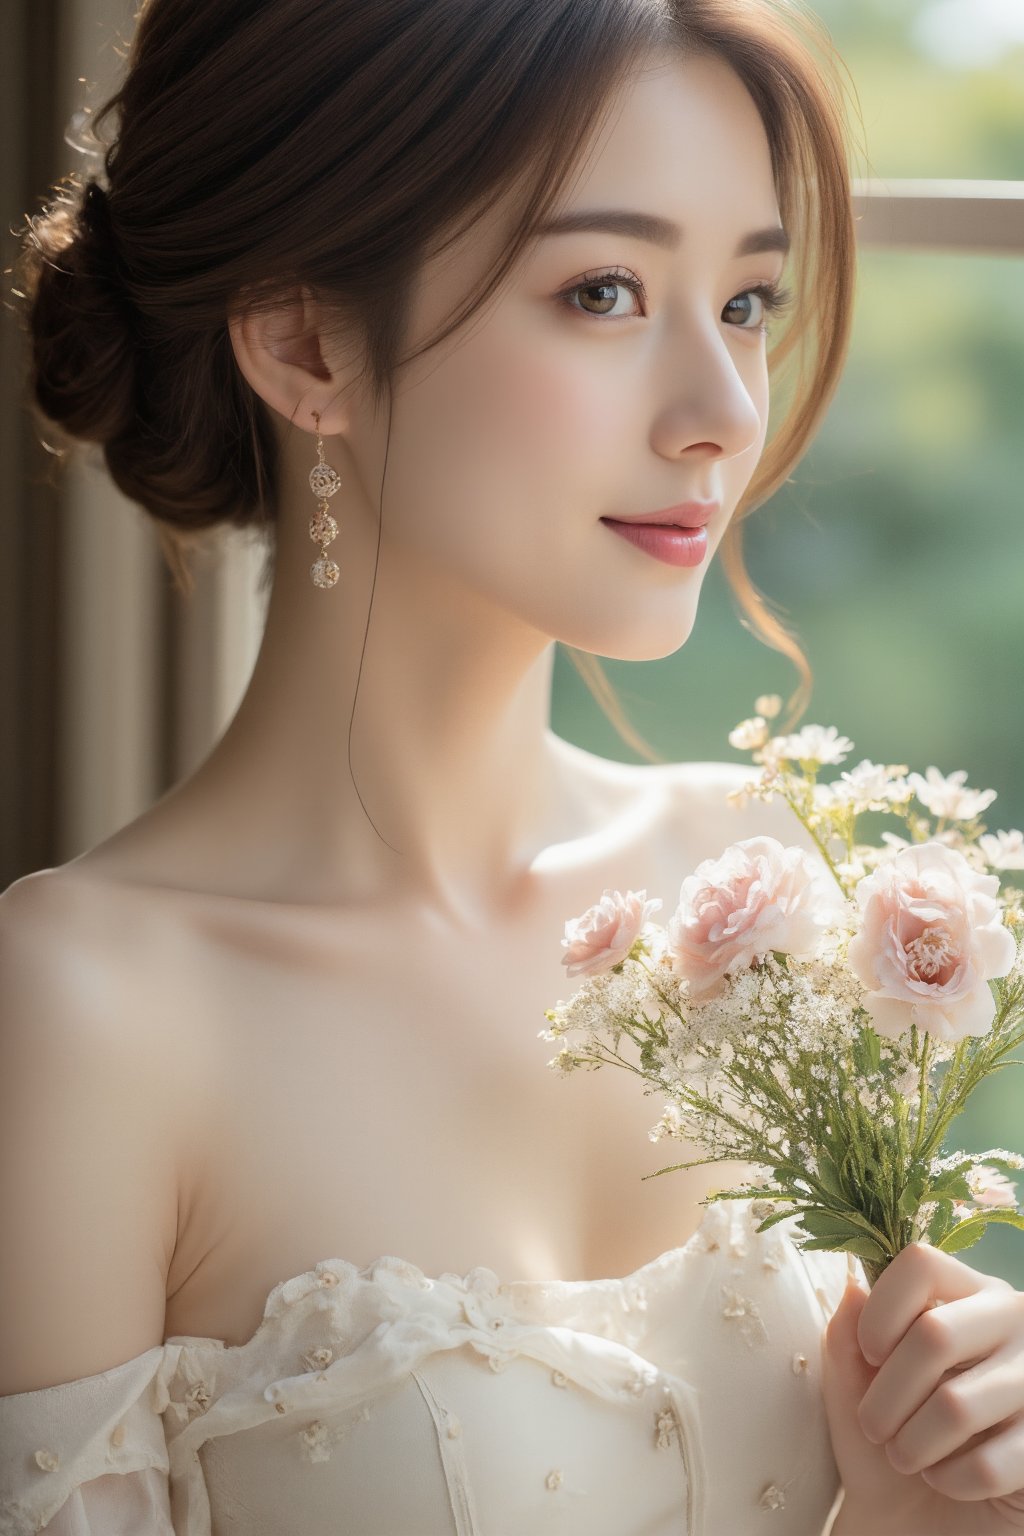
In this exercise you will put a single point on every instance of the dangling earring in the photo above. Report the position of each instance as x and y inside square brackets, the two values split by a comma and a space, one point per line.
[324, 482]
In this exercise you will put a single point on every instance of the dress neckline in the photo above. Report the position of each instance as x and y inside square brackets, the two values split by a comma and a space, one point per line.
[341, 1275]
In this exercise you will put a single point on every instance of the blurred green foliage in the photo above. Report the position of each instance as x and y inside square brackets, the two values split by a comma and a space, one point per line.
[897, 550]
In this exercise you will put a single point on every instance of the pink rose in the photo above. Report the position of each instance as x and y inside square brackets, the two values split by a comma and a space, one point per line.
[931, 938]
[758, 897]
[605, 933]
[990, 1187]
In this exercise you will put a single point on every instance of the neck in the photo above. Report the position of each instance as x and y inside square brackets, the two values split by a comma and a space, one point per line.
[449, 785]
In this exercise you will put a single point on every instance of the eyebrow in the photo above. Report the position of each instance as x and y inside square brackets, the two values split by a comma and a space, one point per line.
[654, 229]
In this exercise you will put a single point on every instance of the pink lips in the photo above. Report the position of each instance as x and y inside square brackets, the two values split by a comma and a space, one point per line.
[676, 535]
[689, 514]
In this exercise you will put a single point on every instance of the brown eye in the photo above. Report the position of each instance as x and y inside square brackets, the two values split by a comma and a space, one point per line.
[759, 303]
[601, 292]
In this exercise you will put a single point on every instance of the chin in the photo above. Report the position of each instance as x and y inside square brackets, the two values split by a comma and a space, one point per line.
[657, 633]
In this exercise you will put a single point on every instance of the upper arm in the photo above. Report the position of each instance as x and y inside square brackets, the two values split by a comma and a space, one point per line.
[88, 1196]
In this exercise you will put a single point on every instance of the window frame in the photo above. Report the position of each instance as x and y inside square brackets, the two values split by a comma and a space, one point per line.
[976, 217]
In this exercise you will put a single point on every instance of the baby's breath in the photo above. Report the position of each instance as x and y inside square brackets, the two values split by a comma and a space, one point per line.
[780, 1066]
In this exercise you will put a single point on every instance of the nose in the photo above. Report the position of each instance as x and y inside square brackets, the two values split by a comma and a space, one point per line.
[715, 402]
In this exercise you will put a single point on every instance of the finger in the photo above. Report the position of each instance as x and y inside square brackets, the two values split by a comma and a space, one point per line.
[994, 1469]
[957, 1334]
[962, 1407]
[917, 1277]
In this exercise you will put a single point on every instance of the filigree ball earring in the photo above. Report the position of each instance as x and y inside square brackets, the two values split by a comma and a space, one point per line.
[324, 482]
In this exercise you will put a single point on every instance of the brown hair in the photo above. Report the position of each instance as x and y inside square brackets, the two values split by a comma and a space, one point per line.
[266, 144]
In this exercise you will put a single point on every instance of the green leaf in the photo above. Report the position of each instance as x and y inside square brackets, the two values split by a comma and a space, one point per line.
[867, 1051]
[829, 1176]
[941, 1221]
[826, 1224]
[863, 1247]
[966, 1233]
[911, 1196]
[773, 1220]
[950, 1185]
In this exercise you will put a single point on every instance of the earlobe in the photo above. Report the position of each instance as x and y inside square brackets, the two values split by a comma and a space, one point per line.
[279, 354]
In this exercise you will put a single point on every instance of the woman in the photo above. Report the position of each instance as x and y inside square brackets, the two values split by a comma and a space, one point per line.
[506, 268]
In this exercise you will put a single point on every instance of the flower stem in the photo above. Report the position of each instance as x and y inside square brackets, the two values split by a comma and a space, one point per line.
[922, 1092]
[822, 849]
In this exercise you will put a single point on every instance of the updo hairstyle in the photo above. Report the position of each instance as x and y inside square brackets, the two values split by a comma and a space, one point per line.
[264, 145]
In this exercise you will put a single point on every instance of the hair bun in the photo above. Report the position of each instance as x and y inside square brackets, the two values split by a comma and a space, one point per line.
[94, 216]
[82, 322]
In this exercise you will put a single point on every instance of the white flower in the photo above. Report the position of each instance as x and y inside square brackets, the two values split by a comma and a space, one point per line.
[990, 1187]
[872, 787]
[826, 798]
[813, 744]
[670, 1124]
[768, 705]
[1003, 850]
[949, 797]
[931, 938]
[749, 734]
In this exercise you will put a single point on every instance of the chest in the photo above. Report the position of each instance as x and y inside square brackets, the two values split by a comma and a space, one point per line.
[381, 1089]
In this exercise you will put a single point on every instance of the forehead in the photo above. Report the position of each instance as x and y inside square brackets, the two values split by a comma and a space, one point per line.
[682, 138]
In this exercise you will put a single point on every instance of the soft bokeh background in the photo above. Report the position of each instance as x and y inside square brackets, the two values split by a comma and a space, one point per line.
[897, 553]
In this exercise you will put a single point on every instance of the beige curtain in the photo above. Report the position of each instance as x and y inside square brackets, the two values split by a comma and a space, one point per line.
[112, 685]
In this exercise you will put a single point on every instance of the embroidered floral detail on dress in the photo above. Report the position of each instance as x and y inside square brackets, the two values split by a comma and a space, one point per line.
[638, 1384]
[553, 1480]
[772, 1260]
[799, 1365]
[197, 1399]
[772, 1498]
[404, 1271]
[559, 1378]
[328, 1277]
[316, 1442]
[738, 1246]
[47, 1461]
[316, 1359]
[744, 1312]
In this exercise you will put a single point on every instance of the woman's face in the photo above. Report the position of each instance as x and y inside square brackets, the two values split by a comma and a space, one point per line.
[571, 397]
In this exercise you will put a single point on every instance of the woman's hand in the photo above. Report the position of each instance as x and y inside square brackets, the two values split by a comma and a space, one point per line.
[923, 1383]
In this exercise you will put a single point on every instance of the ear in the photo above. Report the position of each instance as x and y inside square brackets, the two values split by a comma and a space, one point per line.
[282, 352]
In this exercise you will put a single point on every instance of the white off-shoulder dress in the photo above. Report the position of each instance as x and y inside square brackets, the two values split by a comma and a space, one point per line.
[681, 1400]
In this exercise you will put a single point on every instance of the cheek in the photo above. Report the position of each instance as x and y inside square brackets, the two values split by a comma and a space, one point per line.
[543, 406]
[527, 425]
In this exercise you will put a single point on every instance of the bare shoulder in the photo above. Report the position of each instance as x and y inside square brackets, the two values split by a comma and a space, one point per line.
[90, 1147]
[64, 931]
[94, 969]
[712, 812]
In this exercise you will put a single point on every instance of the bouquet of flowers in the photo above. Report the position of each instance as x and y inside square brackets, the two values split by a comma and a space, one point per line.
[824, 1020]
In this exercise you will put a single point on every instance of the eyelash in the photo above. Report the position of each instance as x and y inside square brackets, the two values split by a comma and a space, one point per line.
[774, 297]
